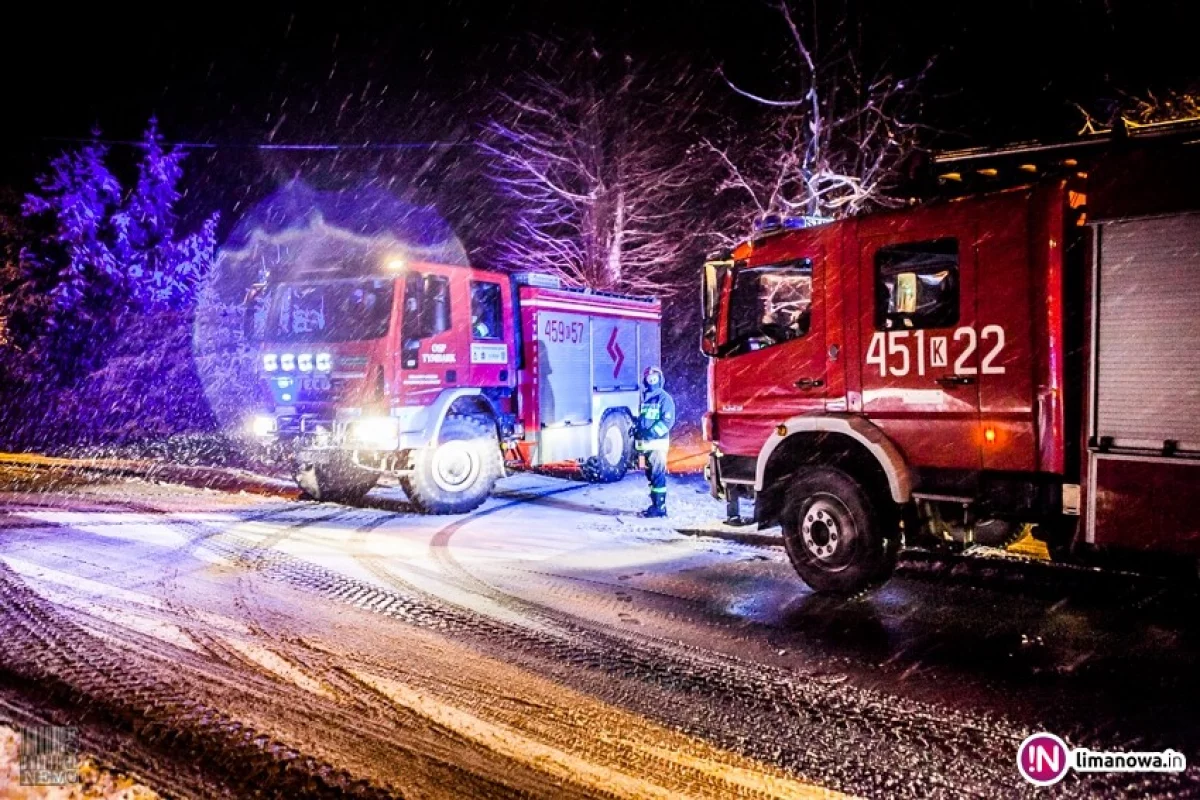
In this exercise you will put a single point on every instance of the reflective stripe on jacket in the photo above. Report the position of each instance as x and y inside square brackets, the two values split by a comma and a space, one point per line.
[655, 420]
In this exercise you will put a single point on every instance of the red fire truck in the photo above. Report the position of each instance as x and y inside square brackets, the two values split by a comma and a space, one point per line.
[444, 376]
[1023, 354]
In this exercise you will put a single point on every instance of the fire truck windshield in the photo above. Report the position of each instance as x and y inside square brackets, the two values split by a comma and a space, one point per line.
[333, 311]
[769, 305]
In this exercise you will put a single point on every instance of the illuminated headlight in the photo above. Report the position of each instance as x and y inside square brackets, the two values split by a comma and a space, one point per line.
[287, 362]
[324, 362]
[263, 426]
[270, 362]
[305, 362]
[376, 433]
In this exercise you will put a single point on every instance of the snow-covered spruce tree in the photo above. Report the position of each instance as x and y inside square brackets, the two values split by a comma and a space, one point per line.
[73, 262]
[103, 250]
[163, 271]
[99, 306]
[835, 148]
[584, 154]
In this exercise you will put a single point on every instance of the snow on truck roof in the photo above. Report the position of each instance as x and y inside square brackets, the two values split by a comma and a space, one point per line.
[302, 230]
[366, 216]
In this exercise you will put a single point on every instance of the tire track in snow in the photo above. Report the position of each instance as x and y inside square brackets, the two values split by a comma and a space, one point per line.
[594, 776]
[856, 740]
[129, 694]
[921, 751]
[75, 668]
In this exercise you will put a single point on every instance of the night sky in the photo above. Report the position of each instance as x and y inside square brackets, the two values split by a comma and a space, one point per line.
[422, 72]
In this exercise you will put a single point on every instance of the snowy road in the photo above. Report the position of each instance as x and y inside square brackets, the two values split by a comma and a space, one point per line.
[553, 644]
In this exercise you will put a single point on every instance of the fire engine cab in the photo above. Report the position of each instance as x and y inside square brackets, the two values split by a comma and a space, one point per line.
[1025, 352]
[443, 376]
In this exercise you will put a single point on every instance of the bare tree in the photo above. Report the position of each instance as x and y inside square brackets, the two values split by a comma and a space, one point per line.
[836, 149]
[590, 165]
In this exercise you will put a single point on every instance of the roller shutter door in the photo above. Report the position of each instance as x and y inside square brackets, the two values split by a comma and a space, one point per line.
[1148, 332]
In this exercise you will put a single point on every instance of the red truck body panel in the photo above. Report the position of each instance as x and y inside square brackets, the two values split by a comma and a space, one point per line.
[1004, 342]
[1065, 383]
[1145, 503]
[617, 336]
[757, 390]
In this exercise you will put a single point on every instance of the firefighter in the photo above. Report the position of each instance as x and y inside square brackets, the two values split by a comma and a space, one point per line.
[653, 437]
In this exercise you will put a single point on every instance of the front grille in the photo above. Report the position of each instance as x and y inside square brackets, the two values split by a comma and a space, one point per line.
[310, 424]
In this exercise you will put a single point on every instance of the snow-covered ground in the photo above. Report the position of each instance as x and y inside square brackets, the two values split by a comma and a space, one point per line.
[552, 643]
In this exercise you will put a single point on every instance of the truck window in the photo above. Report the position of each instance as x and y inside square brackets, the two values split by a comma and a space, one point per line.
[485, 310]
[426, 313]
[330, 311]
[769, 305]
[916, 285]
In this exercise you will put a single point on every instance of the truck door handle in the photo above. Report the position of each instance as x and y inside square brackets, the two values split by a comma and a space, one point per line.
[955, 380]
[809, 383]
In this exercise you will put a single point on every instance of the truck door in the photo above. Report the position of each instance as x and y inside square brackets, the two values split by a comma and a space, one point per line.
[774, 364]
[920, 346]
[429, 341]
[491, 355]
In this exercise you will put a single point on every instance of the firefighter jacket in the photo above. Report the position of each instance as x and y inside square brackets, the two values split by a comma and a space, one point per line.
[655, 421]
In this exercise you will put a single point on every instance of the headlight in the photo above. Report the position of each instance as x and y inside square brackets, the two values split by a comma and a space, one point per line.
[324, 362]
[263, 426]
[375, 433]
[287, 362]
[270, 362]
[304, 362]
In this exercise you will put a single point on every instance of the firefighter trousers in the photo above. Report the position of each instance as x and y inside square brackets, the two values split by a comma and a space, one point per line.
[656, 474]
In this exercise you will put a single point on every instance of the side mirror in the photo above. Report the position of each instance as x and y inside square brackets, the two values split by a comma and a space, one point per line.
[712, 284]
[708, 341]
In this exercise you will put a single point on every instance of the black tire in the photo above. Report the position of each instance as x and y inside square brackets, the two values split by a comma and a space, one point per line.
[336, 482]
[616, 450]
[835, 537]
[999, 533]
[458, 474]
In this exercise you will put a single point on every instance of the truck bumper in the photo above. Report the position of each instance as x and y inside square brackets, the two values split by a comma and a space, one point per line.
[387, 462]
[318, 455]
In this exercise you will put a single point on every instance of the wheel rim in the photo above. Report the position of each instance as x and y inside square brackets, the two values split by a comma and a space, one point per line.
[826, 531]
[455, 466]
[612, 449]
